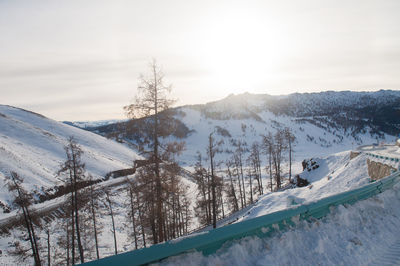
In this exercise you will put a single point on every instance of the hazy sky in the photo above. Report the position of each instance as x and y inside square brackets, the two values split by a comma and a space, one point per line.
[80, 60]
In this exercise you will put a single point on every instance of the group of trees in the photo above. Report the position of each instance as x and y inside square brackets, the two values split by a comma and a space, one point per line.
[156, 203]
[79, 232]
[235, 183]
[209, 183]
[275, 146]
[75, 233]
[161, 192]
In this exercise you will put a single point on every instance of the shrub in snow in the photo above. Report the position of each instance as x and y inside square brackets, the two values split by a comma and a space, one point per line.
[301, 182]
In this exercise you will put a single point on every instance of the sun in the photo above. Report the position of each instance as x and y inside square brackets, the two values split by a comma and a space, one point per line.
[241, 49]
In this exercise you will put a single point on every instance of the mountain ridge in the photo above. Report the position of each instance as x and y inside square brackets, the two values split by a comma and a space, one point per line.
[330, 122]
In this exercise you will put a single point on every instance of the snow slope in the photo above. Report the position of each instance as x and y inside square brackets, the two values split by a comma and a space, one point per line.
[359, 234]
[323, 123]
[366, 233]
[311, 140]
[33, 146]
[336, 174]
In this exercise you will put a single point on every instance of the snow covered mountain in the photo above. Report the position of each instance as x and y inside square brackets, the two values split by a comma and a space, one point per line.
[33, 146]
[323, 123]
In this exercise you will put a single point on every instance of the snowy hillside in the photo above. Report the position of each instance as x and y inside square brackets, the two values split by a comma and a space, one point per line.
[33, 146]
[336, 173]
[311, 140]
[366, 233]
[323, 123]
[92, 124]
[363, 234]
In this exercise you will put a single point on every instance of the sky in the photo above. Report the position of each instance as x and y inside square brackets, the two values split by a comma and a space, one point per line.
[80, 59]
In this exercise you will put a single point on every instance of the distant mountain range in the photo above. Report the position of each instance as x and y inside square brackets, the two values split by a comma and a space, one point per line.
[323, 122]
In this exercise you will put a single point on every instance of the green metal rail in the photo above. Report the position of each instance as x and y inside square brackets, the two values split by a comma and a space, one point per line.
[382, 157]
[263, 226]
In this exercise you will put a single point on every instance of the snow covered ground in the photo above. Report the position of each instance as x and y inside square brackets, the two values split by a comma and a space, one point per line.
[33, 146]
[366, 233]
[311, 140]
[336, 174]
[391, 151]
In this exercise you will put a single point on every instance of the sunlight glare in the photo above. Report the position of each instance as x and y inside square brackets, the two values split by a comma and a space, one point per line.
[242, 49]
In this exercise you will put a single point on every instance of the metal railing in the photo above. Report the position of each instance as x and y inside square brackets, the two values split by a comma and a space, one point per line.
[263, 226]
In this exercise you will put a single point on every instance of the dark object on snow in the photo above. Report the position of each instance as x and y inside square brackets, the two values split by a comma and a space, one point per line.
[309, 165]
[300, 182]
[304, 164]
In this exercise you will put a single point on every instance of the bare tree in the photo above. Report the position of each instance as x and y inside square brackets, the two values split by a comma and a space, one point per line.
[231, 189]
[175, 203]
[131, 217]
[109, 202]
[47, 229]
[212, 150]
[290, 138]
[250, 174]
[204, 191]
[241, 148]
[94, 206]
[23, 199]
[151, 100]
[268, 143]
[255, 166]
[74, 167]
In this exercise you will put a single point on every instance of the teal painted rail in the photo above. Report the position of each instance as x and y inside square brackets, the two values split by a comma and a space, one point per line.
[262, 226]
[382, 157]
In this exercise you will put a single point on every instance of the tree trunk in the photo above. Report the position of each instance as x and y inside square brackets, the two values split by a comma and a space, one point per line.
[159, 206]
[140, 218]
[236, 204]
[290, 160]
[241, 173]
[48, 247]
[34, 237]
[113, 223]
[209, 199]
[213, 184]
[251, 190]
[78, 233]
[94, 225]
[240, 186]
[28, 227]
[270, 169]
[133, 218]
[68, 232]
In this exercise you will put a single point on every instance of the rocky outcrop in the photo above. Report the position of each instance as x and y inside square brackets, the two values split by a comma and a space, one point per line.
[378, 170]
[119, 173]
[354, 154]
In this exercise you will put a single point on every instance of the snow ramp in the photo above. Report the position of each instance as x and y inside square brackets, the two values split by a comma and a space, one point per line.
[264, 226]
